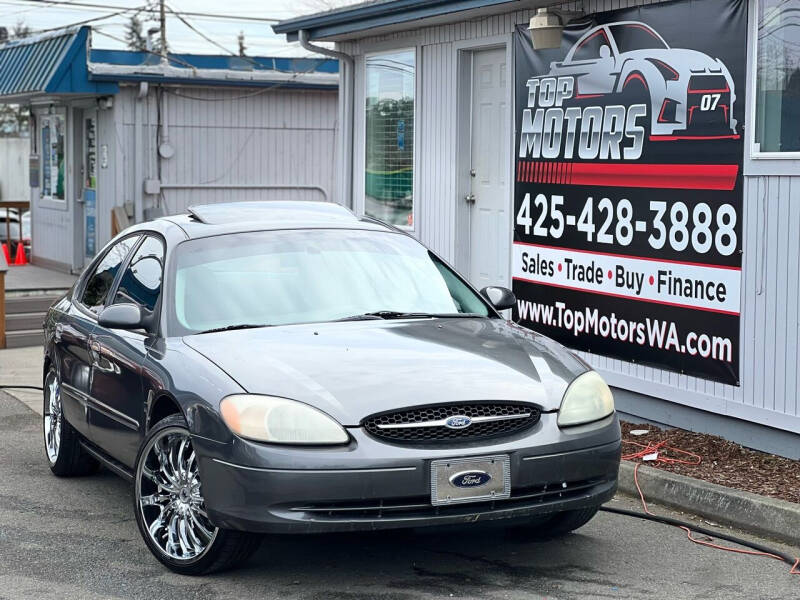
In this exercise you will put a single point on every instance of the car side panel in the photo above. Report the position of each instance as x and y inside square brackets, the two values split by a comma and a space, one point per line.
[193, 382]
[70, 344]
[116, 413]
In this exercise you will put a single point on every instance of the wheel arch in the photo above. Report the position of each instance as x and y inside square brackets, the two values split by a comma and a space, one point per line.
[162, 405]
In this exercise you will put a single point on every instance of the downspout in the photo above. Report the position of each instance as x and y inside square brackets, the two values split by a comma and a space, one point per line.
[347, 101]
[138, 147]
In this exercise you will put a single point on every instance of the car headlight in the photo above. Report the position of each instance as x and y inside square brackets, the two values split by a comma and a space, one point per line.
[279, 421]
[587, 399]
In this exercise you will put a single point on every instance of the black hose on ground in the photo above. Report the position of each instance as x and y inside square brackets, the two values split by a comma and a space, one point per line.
[710, 532]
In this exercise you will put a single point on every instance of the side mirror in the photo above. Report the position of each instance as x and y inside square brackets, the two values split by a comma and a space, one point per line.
[121, 316]
[499, 297]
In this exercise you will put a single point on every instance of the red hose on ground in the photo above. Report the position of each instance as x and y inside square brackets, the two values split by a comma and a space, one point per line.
[647, 449]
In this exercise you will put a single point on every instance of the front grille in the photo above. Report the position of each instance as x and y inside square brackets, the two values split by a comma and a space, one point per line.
[425, 425]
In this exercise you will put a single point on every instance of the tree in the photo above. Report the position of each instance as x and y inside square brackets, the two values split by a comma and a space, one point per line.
[157, 45]
[3, 34]
[21, 30]
[242, 47]
[134, 36]
[14, 120]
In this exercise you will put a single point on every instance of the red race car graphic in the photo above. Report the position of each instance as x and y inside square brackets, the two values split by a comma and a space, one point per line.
[690, 94]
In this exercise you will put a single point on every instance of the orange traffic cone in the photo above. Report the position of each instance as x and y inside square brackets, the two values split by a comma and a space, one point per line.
[20, 258]
[6, 253]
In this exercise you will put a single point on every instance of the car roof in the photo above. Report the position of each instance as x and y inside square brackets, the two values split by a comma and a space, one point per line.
[234, 217]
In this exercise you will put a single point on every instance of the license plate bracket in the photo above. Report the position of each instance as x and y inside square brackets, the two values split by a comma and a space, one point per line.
[474, 479]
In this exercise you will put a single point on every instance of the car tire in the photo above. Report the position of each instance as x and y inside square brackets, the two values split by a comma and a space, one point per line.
[170, 510]
[62, 444]
[560, 524]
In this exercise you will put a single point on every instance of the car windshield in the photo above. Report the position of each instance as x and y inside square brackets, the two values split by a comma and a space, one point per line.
[303, 276]
[635, 36]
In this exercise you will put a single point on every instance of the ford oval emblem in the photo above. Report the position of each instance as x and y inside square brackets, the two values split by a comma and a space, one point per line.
[470, 479]
[458, 422]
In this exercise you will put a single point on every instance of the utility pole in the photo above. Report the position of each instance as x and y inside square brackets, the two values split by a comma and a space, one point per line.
[163, 18]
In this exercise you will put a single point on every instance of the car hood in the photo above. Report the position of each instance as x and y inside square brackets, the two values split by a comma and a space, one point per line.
[682, 60]
[353, 369]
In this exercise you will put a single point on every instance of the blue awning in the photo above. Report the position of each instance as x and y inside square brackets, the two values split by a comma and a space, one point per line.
[63, 63]
[53, 63]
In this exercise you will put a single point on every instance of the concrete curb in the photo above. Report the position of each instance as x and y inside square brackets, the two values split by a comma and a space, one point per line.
[777, 519]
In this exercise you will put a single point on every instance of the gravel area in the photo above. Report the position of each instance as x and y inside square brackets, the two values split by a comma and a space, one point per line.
[723, 462]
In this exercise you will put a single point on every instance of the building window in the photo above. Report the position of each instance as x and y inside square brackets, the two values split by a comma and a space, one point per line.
[777, 127]
[389, 178]
[53, 131]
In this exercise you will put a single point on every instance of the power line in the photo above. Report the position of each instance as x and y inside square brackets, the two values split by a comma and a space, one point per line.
[92, 20]
[258, 92]
[247, 58]
[201, 34]
[169, 57]
[40, 5]
[78, 5]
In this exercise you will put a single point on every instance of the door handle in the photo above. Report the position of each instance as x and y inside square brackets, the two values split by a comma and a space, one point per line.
[98, 362]
[94, 350]
[469, 198]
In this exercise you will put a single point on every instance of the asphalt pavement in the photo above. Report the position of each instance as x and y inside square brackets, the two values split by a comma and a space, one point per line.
[77, 538]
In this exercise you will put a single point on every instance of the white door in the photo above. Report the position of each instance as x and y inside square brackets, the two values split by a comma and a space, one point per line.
[489, 197]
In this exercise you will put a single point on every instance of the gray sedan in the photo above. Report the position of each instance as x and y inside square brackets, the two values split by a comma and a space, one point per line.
[291, 368]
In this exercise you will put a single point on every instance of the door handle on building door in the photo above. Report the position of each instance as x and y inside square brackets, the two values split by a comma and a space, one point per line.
[469, 198]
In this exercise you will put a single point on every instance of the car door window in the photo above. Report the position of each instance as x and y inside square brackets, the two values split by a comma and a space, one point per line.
[141, 281]
[99, 283]
[590, 47]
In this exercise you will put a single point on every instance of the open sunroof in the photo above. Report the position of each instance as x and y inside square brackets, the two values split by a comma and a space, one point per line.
[238, 212]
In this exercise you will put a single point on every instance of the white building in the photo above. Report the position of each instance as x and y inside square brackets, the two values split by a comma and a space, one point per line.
[121, 129]
[433, 97]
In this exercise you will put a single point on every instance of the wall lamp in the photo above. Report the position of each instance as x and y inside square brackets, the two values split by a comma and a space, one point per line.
[547, 25]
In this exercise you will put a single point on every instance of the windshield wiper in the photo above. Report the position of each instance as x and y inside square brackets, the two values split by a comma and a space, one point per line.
[387, 314]
[396, 314]
[235, 327]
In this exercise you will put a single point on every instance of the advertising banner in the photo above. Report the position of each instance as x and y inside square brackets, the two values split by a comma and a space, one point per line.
[628, 188]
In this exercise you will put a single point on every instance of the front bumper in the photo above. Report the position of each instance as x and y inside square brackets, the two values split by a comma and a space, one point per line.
[372, 485]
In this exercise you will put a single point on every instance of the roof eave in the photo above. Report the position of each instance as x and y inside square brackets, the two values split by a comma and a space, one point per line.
[336, 24]
[218, 77]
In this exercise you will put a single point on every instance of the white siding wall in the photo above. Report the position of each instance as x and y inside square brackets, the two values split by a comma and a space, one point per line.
[231, 144]
[770, 318]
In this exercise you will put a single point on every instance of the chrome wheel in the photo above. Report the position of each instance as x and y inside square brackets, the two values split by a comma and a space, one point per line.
[52, 418]
[169, 498]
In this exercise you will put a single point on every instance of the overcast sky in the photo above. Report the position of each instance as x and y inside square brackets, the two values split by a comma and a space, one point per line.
[259, 39]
